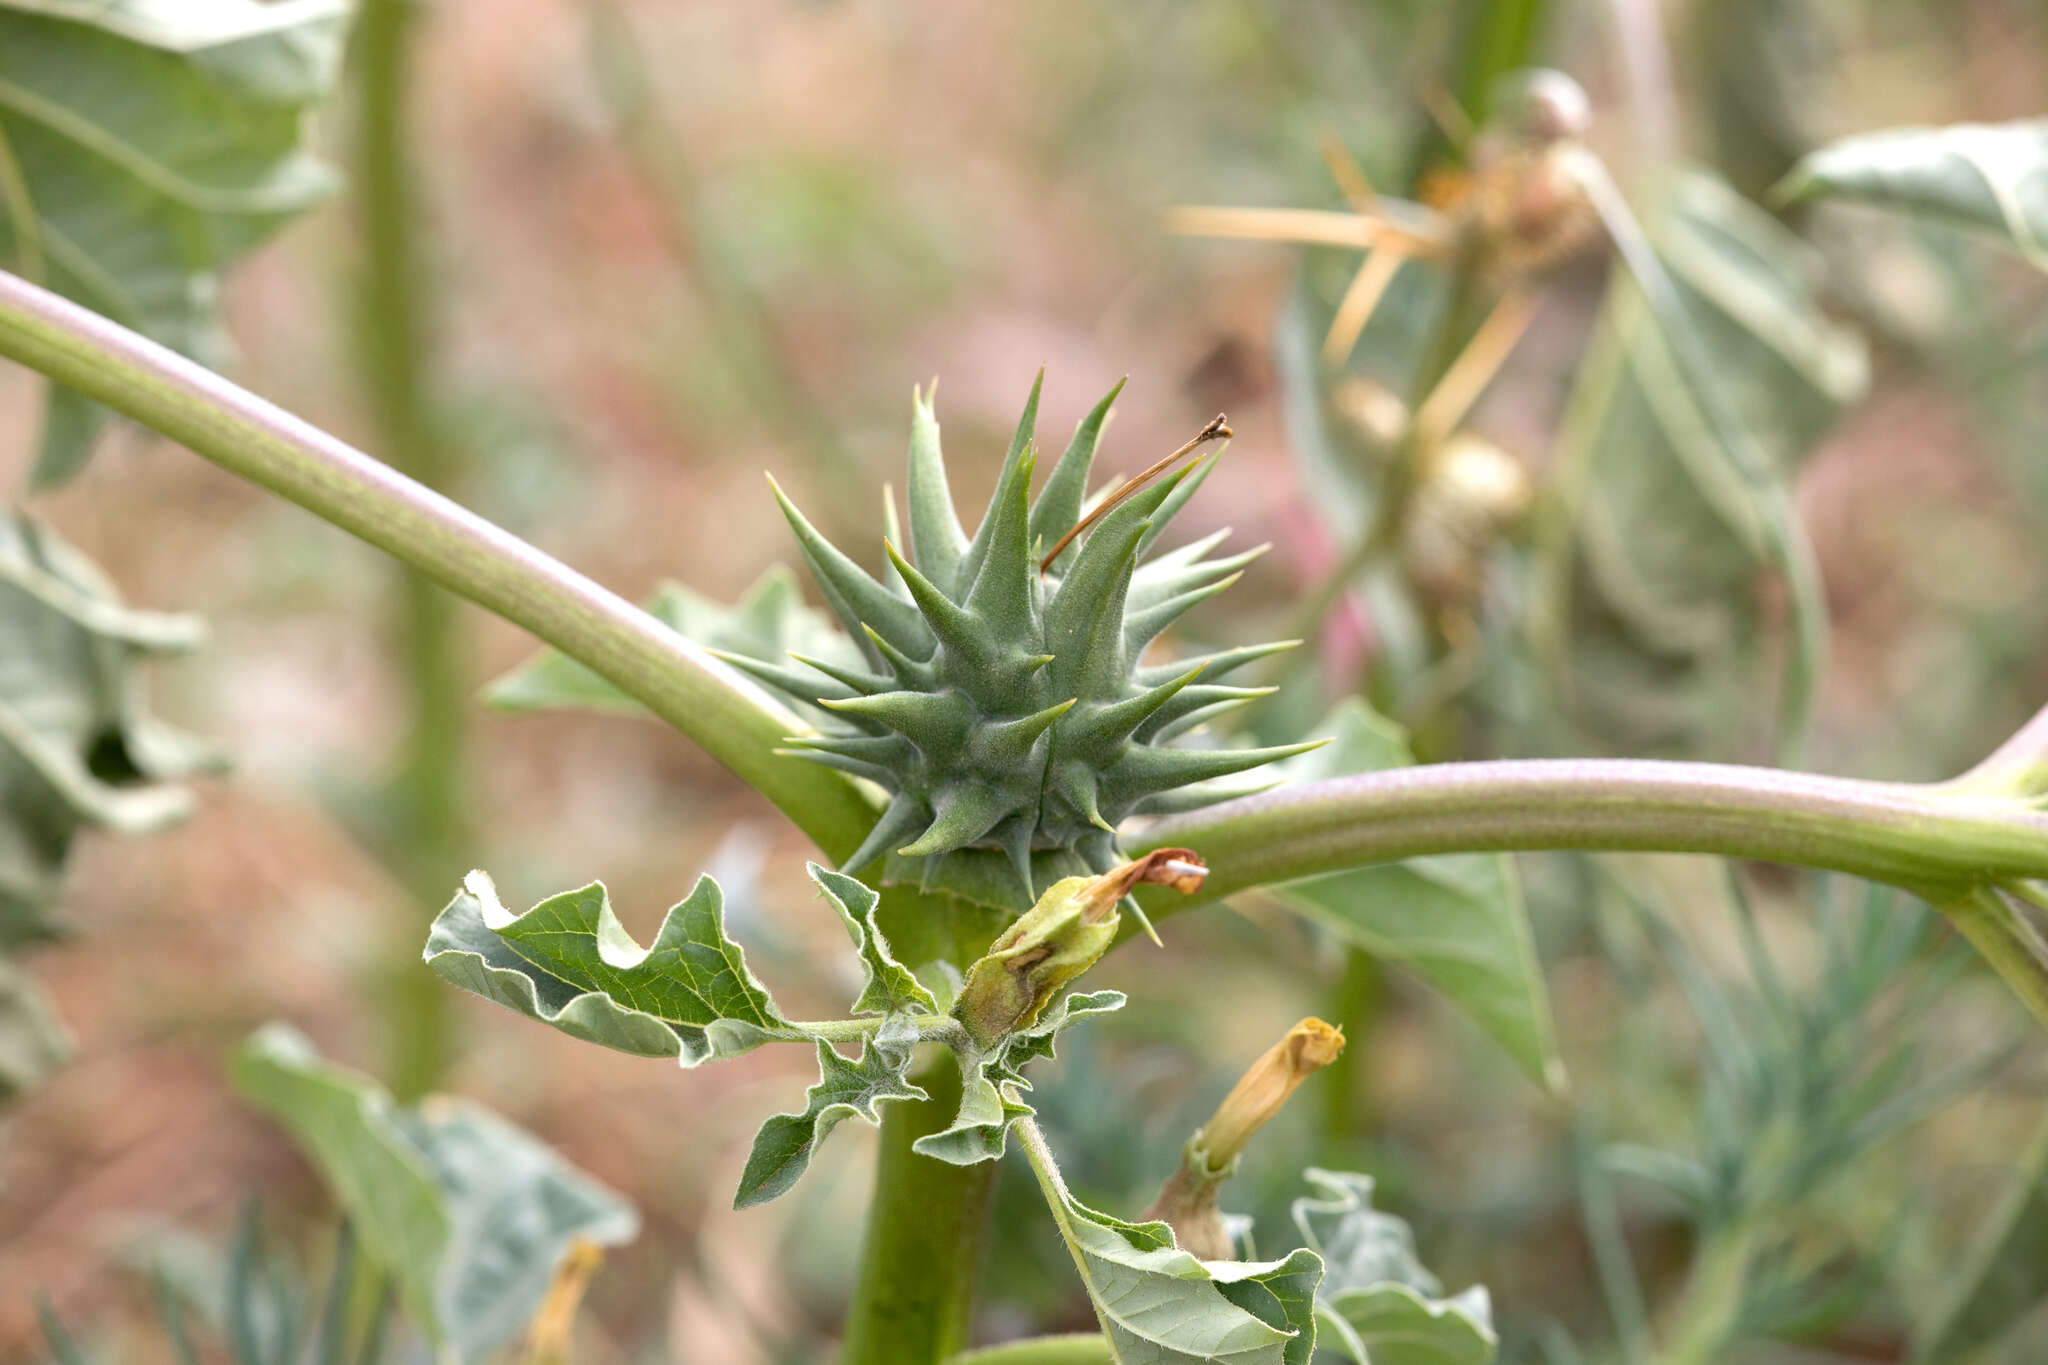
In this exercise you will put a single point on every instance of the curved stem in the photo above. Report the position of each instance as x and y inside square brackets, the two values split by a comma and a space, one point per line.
[2018, 767]
[720, 710]
[1933, 841]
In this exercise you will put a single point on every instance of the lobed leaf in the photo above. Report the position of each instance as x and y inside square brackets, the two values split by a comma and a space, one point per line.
[845, 1089]
[1457, 919]
[1377, 1302]
[470, 1215]
[1391, 1324]
[569, 963]
[77, 747]
[992, 1084]
[1676, 506]
[155, 142]
[1159, 1305]
[1991, 177]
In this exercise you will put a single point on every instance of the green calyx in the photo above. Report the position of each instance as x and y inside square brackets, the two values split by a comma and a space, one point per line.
[1036, 958]
[1057, 940]
[1006, 710]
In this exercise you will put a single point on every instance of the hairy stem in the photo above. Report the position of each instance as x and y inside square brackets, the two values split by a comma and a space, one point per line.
[1031, 1140]
[932, 1028]
[722, 711]
[925, 1233]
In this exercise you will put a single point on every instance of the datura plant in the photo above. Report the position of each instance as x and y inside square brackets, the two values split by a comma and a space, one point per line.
[996, 762]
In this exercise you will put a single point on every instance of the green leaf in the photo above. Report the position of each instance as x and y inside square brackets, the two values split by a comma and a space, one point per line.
[1159, 1305]
[569, 963]
[992, 1084]
[1377, 1303]
[1660, 514]
[1457, 919]
[769, 622]
[890, 987]
[76, 746]
[469, 1214]
[155, 143]
[1991, 177]
[2005, 1278]
[1391, 1324]
[515, 1209]
[77, 749]
[845, 1089]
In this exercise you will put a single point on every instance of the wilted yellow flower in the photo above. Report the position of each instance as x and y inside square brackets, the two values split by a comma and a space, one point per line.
[1187, 1202]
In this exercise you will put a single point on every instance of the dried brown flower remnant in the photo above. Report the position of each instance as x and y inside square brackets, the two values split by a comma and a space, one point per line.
[1180, 868]
[1187, 1202]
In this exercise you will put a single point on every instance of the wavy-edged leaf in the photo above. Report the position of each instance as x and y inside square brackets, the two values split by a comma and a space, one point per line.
[992, 1085]
[1391, 1324]
[1677, 511]
[1457, 919]
[1377, 1303]
[77, 747]
[469, 1214]
[1989, 176]
[1159, 1305]
[569, 963]
[156, 142]
[845, 1089]
[769, 622]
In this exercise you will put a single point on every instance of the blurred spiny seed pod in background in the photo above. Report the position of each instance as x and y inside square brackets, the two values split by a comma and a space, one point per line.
[1004, 704]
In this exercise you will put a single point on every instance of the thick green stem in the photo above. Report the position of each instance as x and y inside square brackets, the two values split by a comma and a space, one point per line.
[1080, 1348]
[1937, 842]
[926, 1228]
[1947, 844]
[734, 721]
[390, 331]
[1929, 840]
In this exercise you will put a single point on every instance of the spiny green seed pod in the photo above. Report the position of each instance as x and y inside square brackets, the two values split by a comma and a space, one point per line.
[1056, 940]
[1005, 708]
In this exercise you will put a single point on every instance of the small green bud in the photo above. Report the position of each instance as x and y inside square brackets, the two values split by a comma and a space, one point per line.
[1055, 941]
